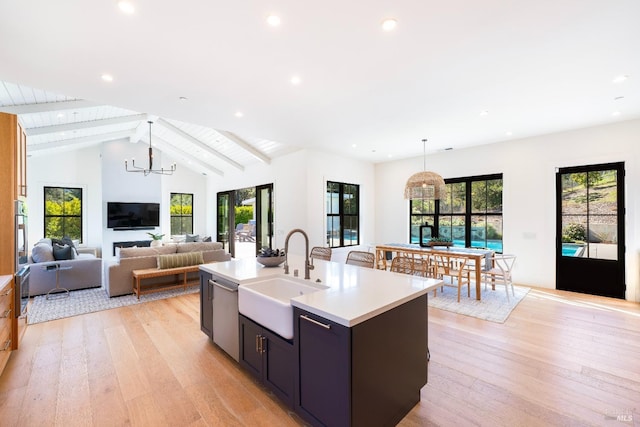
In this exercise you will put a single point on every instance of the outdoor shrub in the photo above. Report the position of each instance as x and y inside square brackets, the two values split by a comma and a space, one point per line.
[574, 232]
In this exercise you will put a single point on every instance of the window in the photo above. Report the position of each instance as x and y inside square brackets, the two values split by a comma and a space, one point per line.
[470, 214]
[181, 211]
[63, 212]
[343, 218]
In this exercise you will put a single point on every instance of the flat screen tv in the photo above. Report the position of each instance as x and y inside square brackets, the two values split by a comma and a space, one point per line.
[126, 216]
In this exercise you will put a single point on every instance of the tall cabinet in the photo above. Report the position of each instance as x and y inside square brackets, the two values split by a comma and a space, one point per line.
[13, 186]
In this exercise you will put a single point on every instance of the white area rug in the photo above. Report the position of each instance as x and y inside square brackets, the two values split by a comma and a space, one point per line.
[493, 306]
[90, 300]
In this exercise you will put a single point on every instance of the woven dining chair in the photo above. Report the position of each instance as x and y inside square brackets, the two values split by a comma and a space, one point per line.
[318, 252]
[361, 259]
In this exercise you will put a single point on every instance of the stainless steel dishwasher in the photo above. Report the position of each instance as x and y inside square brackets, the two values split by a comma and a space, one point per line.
[225, 315]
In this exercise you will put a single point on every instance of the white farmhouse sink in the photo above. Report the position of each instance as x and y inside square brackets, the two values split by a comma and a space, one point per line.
[268, 302]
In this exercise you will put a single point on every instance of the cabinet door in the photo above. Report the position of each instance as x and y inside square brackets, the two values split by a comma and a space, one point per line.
[278, 366]
[206, 304]
[251, 341]
[324, 374]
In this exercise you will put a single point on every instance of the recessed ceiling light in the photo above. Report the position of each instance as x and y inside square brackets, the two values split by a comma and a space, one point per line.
[389, 155]
[615, 113]
[295, 80]
[508, 133]
[60, 115]
[126, 7]
[353, 145]
[183, 98]
[273, 20]
[107, 77]
[619, 79]
[484, 113]
[618, 98]
[239, 114]
[389, 24]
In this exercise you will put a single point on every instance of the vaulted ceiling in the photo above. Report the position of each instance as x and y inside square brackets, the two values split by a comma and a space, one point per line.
[218, 81]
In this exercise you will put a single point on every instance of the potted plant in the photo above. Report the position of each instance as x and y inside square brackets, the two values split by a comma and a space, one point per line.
[157, 239]
[440, 241]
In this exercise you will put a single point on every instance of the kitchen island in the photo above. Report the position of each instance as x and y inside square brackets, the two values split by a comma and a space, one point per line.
[359, 348]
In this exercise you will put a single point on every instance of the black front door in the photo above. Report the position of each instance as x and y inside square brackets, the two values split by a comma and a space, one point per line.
[590, 229]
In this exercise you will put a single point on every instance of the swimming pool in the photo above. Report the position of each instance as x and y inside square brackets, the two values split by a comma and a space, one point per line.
[572, 249]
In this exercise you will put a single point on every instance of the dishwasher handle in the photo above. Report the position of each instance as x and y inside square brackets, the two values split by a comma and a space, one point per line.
[224, 286]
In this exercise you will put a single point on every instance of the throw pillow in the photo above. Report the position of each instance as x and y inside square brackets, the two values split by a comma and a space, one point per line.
[66, 240]
[192, 238]
[180, 260]
[207, 239]
[42, 253]
[61, 253]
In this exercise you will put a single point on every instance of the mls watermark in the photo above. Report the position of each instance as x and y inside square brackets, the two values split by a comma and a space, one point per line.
[625, 416]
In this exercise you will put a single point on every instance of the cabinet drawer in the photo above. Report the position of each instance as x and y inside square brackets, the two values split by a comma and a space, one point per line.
[5, 342]
[6, 297]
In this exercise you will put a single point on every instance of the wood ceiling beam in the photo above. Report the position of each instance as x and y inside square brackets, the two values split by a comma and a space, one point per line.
[44, 107]
[66, 127]
[245, 146]
[200, 144]
[177, 153]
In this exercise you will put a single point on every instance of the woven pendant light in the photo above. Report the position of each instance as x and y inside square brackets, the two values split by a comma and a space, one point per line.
[425, 184]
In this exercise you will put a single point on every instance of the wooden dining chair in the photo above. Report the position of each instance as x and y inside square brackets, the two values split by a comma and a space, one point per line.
[500, 272]
[361, 259]
[318, 252]
[453, 272]
[402, 264]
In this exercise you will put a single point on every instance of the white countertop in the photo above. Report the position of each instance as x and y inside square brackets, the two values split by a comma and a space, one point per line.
[355, 294]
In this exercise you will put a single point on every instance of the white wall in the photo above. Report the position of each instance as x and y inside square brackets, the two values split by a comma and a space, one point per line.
[299, 186]
[528, 167]
[78, 168]
[99, 171]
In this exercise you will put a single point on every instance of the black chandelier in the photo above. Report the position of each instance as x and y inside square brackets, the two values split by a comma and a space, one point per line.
[150, 169]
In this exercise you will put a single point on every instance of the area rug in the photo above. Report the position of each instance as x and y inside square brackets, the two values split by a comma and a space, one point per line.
[493, 306]
[90, 300]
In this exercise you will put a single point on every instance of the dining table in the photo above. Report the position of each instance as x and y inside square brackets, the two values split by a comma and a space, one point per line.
[482, 258]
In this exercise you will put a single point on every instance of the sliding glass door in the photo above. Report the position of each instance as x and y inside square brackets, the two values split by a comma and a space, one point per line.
[245, 219]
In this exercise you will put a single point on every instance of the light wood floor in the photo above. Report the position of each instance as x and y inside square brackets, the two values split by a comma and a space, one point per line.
[560, 359]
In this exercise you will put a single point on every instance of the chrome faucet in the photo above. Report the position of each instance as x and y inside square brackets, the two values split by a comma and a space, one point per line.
[307, 265]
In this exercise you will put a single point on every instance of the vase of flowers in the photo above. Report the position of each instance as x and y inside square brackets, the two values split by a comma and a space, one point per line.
[156, 239]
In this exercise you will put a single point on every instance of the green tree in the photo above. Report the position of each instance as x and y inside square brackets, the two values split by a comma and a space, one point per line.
[243, 214]
[589, 179]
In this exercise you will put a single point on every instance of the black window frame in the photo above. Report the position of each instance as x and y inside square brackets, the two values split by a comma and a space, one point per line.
[46, 217]
[465, 216]
[181, 217]
[343, 217]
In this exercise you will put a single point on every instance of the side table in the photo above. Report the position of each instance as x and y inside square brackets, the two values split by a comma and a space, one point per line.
[57, 268]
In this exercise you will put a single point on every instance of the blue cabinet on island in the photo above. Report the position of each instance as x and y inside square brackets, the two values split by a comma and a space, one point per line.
[369, 374]
[359, 351]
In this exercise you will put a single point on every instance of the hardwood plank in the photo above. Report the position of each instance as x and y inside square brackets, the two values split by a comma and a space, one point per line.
[560, 359]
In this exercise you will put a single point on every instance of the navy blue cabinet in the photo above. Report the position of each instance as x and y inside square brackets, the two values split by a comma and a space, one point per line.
[269, 357]
[369, 374]
[206, 304]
